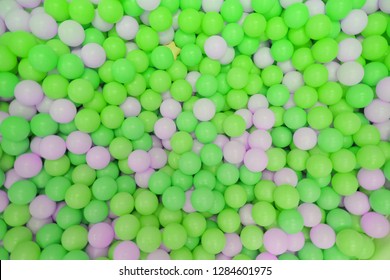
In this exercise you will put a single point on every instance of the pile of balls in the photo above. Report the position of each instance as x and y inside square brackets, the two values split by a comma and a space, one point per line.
[167, 129]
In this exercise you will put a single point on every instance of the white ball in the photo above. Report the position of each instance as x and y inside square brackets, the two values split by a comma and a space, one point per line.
[145, 18]
[355, 22]
[211, 5]
[371, 6]
[148, 5]
[332, 68]
[192, 77]
[293, 80]
[7, 6]
[43, 26]
[316, 7]
[204, 109]
[166, 36]
[350, 73]
[286, 3]
[127, 28]
[263, 57]
[17, 19]
[71, 33]
[215, 47]
[228, 57]
[349, 49]
[384, 5]
[286, 66]
[100, 24]
[247, 5]
[2, 27]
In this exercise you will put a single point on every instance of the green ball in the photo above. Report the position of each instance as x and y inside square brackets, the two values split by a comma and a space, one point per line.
[319, 117]
[296, 15]
[202, 199]
[96, 211]
[53, 252]
[16, 215]
[291, 221]
[78, 196]
[228, 220]
[349, 242]
[370, 157]
[15, 128]
[27, 250]
[22, 192]
[328, 199]
[8, 82]
[195, 224]
[310, 252]
[251, 237]
[286, 197]
[309, 190]
[359, 96]
[339, 219]
[278, 95]
[104, 188]
[213, 240]
[148, 239]
[380, 201]
[74, 238]
[43, 58]
[330, 140]
[127, 227]
[15, 236]
[174, 236]
[110, 11]
[282, 50]
[58, 9]
[189, 20]
[160, 19]
[234, 125]
[343, 161]
[235, 196]
[67, 217]
[173, 198]
[48, 235]
[146, 202]
[318, 26]
[263, 213]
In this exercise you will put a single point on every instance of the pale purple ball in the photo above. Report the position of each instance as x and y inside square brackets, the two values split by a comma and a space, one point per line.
[156, 142]
[332, 68]
[164, 128]
[350, 73]
[127, 28]
[246, 215]
[29, 3]
[158, 158]
[100, 24]
[228, 56]
[62, 111]
[78, 142]
[233, 245]
[71, 33]
[377, 111]
[305, 138]
[28, 93]
[18, 109]
[17, 20]
[286, 176]
[323, 236]
[126, 250]
[265, 256]
[11, 177]
[204, 109]
[131, 107]
[166, 36]
[167, 144]
[42, 207]
[311, 214]
[158, 254]
[60, 205]
[275, 241]
[257, 101]
[357, 203]
[315, 7]
[142, 178]
[371, 179]
[4, 201]
[98, 157]
[35, 224]
[243, 139]
[349, 50]
[293, 80]
[170, 108]
[355, 22]
[139, 161]
[197, 146]
[221, 140]
[43, 26]
[295, 242]
[93, 55]
[100, 235]
[222, 257]
[188, 208]
[384, 130]
[247, 116]
[263, 118]
[234, 152]
[28, 165]
[215, 47]
[256, 160]
[383, 89]
[45, 105]
[260, 139]
[52, 147]
[192, 77]
[95, 253]
[375, 225]
[268, 175]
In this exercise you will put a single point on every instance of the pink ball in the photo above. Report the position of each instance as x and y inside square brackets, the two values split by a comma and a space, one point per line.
[52, 147]
[305, 138]
[78, 142]
[188, 205]
[260, 139]
[11, 177]
[371, 179]
[263, 118]
[204, 109]
[18, 109]
[126, 250]
[62, 111]
[4, 201]
[139, 161]
[43, 26]
[95, 253]
[375, 225]
[158, 254]
[170, 108]
[28, 93]
[42, 207]
[383, 89]
[28, 165]
[35, 224]
[286, 176]
[265, 256]
[34, 145]
[158, 158]
[257, 101]
[164, 128]
[246, 215]
[215, 47]
[311, 214]
[221, 140]
[100, 235]
[131, 107]
[295, 242]
[323, 236]
[98, 157]
[233, 245]
[93, 55]
[357, 203]
[247, 116]
[256, 160]
[275, 241]
[142, 178]
[377, 111]
[233, 152]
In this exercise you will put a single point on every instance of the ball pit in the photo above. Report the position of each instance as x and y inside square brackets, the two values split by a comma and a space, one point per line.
[178, 129]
